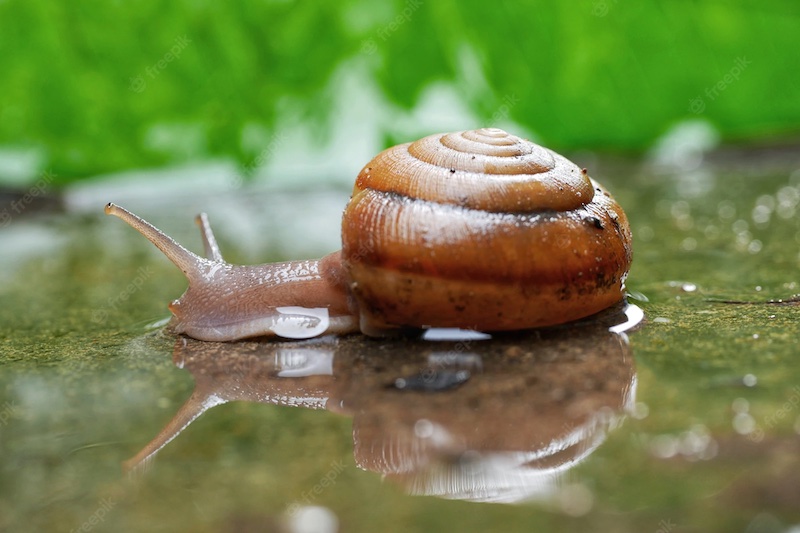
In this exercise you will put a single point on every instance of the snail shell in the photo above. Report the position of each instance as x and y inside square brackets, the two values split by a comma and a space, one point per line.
[481, 230]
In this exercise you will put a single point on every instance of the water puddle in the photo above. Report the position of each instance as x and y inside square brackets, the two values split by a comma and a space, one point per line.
[456, 414]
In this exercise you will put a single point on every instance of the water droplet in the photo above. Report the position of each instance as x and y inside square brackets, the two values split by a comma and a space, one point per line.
[454, 334]
[740, 405]
[694, 441]
[423, 428]
[766, 200]
[743, 423]
[645, 233]
[640, 411]
[711, 231]
[638, 296]
[313, 518]
[680, 209]
[664, 446]
[300, 322]
[761, 215]
[740, 226]
[726, 210]
[633, 314]
[575, 499]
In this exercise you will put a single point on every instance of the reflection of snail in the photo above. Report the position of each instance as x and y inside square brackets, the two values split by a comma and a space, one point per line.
[475, 419]
[476, 229]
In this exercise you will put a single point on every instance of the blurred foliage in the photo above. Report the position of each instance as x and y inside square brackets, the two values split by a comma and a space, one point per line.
[98, 86]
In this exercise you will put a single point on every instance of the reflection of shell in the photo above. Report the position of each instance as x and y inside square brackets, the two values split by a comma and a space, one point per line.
[509, 476]
[535, 404]
[481, 230]
[507, 433]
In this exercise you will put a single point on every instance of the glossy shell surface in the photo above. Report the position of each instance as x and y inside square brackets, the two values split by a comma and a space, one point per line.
[481, 230]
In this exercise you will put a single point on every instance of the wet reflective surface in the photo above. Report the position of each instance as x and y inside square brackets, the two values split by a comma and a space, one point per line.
[691, 424]
[494, 419]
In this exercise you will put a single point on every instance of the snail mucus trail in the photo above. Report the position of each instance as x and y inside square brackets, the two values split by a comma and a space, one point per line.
[475, 229]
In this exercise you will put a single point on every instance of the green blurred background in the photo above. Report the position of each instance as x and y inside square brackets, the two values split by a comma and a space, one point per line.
[93, 87]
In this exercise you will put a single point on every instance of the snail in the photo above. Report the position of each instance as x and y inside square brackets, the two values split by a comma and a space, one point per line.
[476, 230]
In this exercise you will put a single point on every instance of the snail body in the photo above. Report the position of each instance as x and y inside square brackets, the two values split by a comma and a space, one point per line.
[477, 230]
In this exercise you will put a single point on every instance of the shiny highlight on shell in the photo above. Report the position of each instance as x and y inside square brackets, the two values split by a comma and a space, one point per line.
[481, 230]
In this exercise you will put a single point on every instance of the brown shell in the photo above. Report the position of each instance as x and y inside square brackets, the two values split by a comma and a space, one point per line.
[481, 230]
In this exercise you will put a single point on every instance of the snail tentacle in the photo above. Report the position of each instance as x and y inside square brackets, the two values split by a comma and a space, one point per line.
[209, 241]
[292, 299]
[191, 264]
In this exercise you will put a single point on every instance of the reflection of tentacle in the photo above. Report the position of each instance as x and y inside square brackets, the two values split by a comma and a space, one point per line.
[248, 371]
[195, 406]
[534, 405]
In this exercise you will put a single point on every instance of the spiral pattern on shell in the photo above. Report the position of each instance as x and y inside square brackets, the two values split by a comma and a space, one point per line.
[481, 230]
[484, 169]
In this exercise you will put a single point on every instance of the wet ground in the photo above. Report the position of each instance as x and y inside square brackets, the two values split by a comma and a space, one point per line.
[689, 422]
